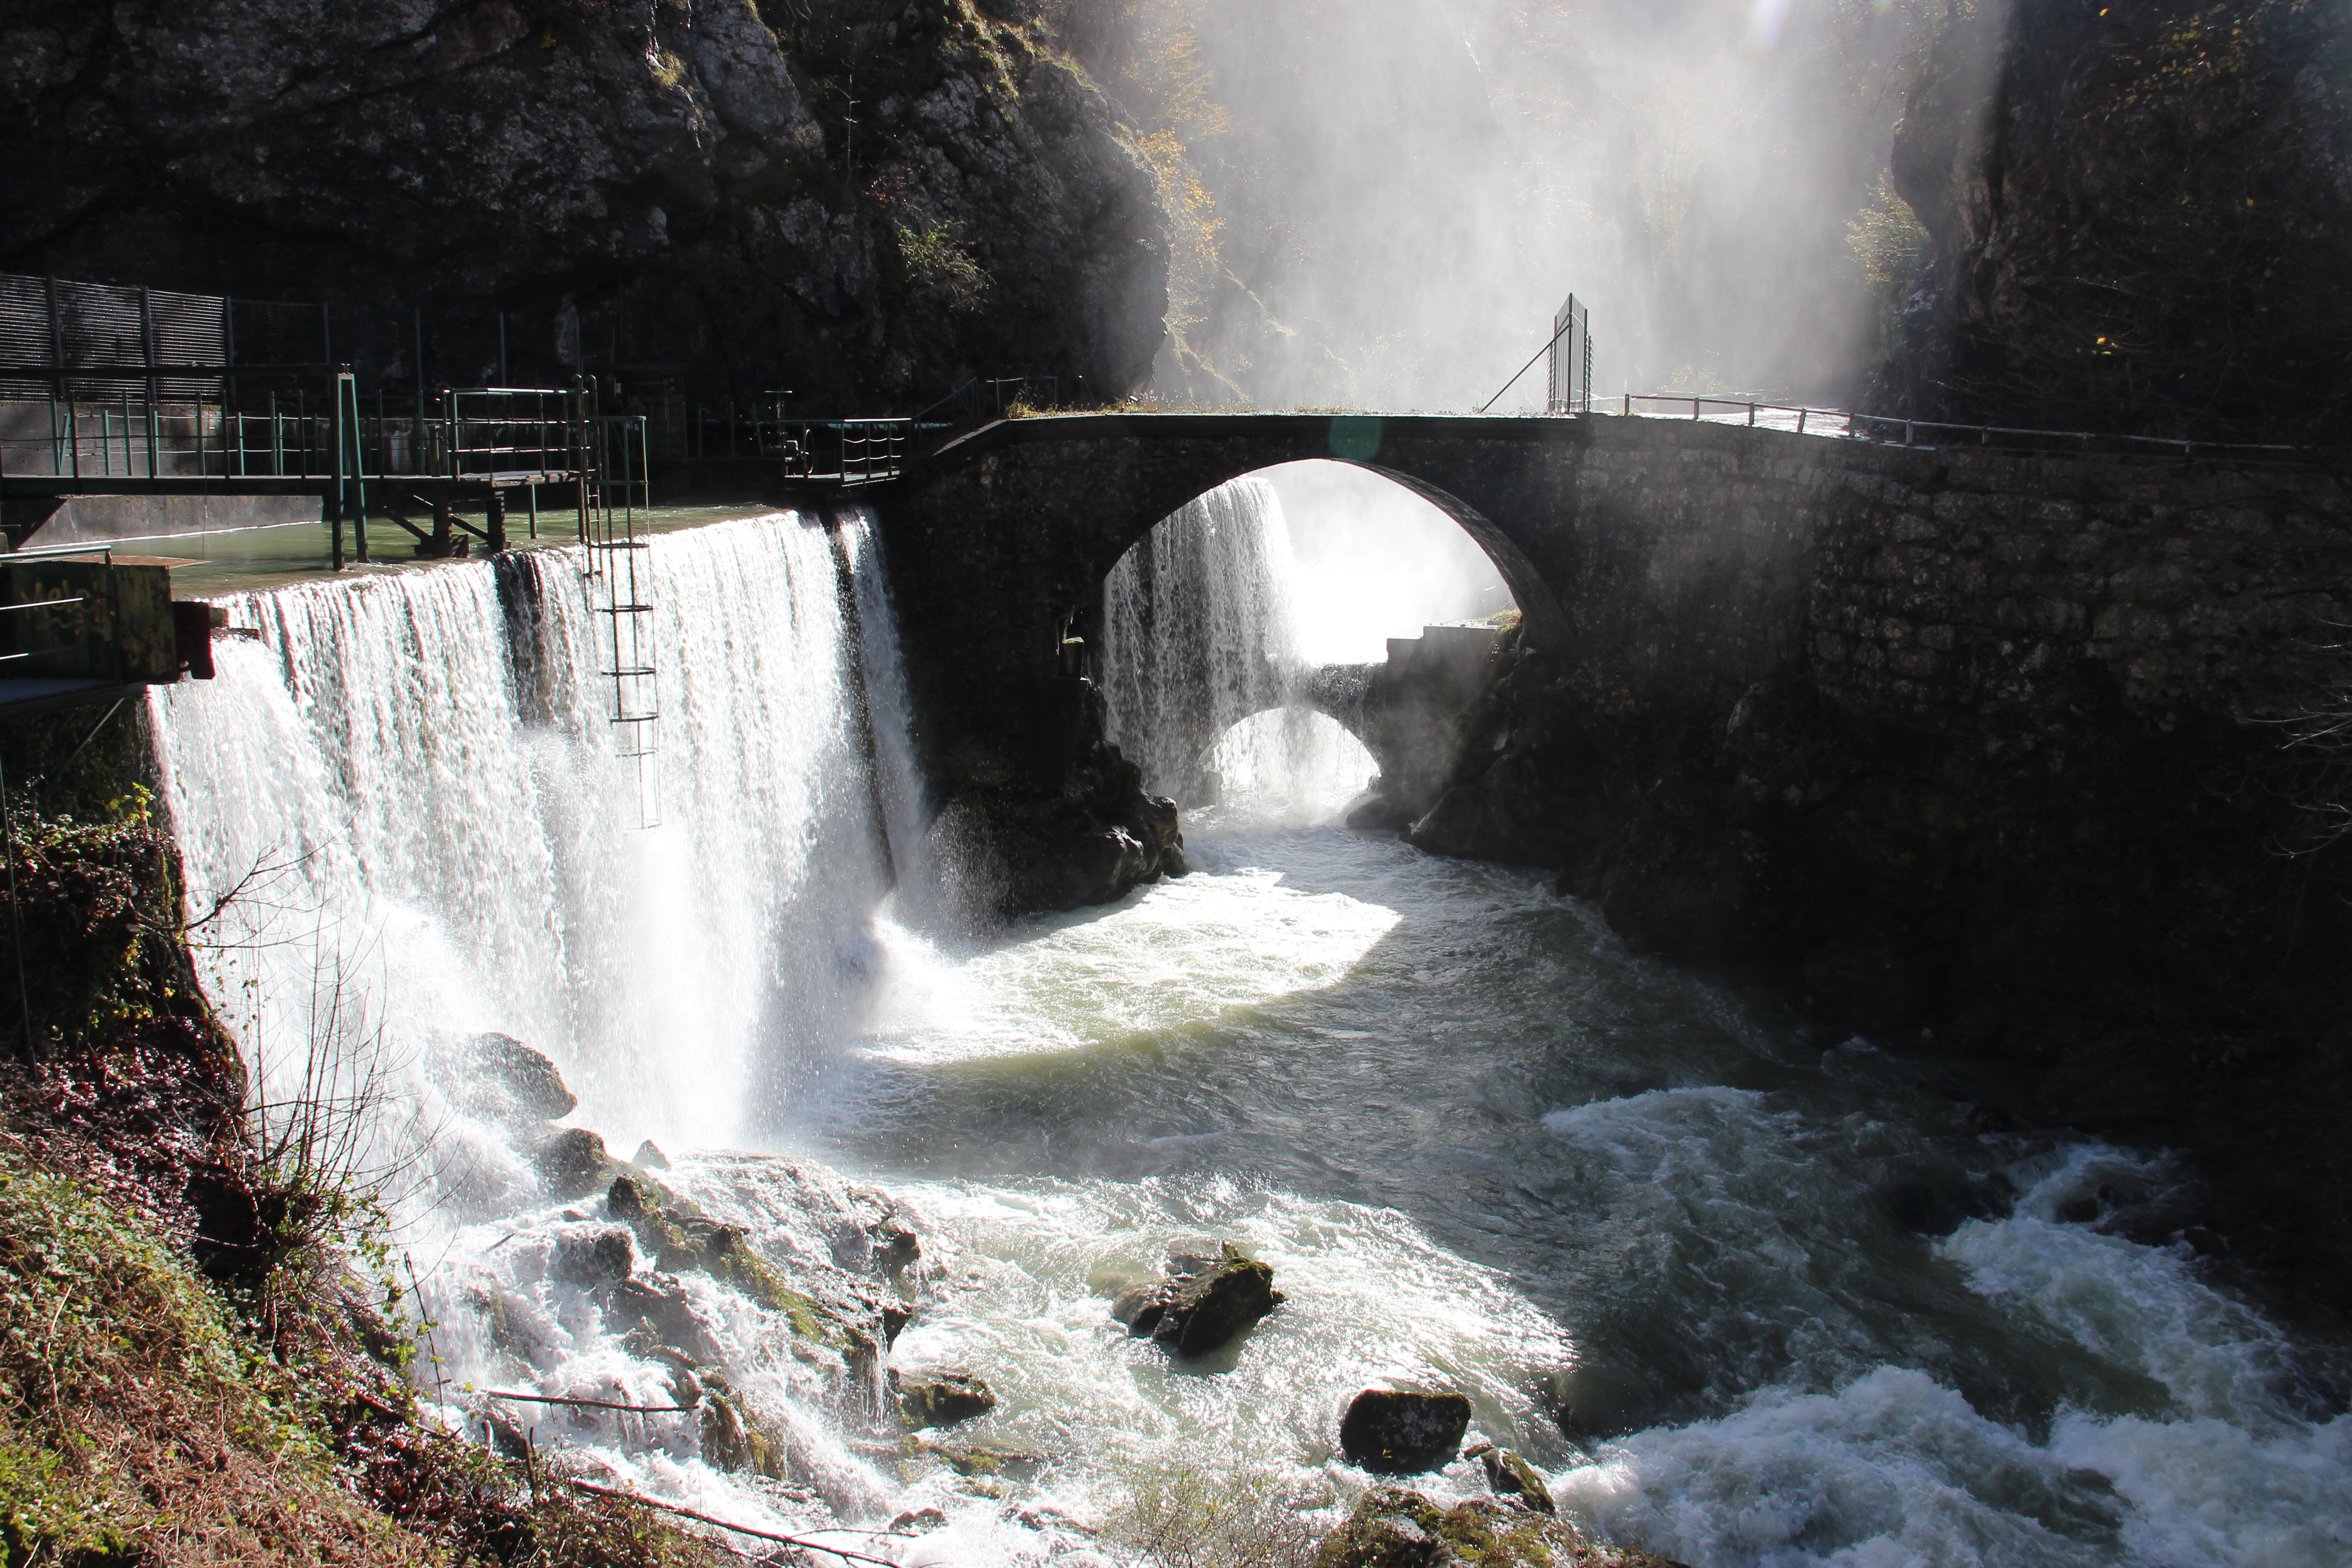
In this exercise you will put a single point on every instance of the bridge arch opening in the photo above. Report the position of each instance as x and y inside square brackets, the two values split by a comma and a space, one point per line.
[1217, 636]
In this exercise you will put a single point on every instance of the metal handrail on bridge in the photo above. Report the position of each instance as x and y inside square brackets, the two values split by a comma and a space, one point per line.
[1912, 428]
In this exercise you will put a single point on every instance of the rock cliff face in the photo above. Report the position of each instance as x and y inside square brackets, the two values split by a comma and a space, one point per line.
[860, 200]
[2139, 217]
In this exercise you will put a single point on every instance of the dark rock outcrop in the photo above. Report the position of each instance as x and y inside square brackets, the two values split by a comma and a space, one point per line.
[2139, 214]
[1089, 836]
[1397, 1432]
[636, 182]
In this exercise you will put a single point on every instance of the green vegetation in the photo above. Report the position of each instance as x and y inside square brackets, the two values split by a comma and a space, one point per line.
[936, 262]
[1185, 1518]
[135, 1411]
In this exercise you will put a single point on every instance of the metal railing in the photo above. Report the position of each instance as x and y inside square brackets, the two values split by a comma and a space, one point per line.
[1894, 431]
[983, 398]
[503, 431]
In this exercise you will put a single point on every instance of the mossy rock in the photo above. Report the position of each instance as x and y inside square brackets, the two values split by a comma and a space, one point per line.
[1392, 1528]
[681, 1236]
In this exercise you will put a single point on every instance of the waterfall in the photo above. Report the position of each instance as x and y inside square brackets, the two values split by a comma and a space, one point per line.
[1199, 664]
[408, 783]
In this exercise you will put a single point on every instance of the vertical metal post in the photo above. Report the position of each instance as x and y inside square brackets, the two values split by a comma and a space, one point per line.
[1801, 421]
[347, 391]
[154, 387]
[334, 501]
[58, 349]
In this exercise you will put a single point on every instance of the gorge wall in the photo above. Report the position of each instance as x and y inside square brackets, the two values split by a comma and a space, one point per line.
[861, 201]
[2139, 214]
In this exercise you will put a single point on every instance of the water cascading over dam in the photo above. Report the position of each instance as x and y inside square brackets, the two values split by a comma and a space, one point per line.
[440, 830]
[1201, 665]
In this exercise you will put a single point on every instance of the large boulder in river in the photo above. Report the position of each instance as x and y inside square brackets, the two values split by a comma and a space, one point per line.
[940, 1399]
[1211, 1298]
[1398, 1433]
[500, 1079]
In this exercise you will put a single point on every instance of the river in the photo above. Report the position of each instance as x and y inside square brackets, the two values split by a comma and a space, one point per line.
[1744, 1294]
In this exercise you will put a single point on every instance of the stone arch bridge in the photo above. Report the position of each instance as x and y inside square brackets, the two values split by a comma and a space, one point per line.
[1751, 661]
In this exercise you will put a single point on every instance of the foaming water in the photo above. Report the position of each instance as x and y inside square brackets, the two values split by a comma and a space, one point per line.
[1651, 1229]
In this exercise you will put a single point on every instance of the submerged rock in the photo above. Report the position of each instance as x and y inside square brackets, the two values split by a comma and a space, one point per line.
[1396, 1432]
[1934, 1207]
[940, 1399]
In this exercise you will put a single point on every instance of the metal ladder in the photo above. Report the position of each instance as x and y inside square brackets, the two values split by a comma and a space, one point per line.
[616, 570]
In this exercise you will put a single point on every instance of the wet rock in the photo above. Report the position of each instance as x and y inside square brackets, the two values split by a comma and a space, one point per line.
[918, 1521]
[1378, 815]
[1392, 1528]
[1206, 1308]
[1213, 1292]
[1139, 1307]
[1932, 1207]
[650, 1157]
[985, 1460]
[1510, 1476]
[1396, 1432]
[500, 1079]
[894, 1320]
[661, 1307]
[940, 1399]
[595, 1260]
[623, 1200]
[896, 1250]
[571, 1162]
